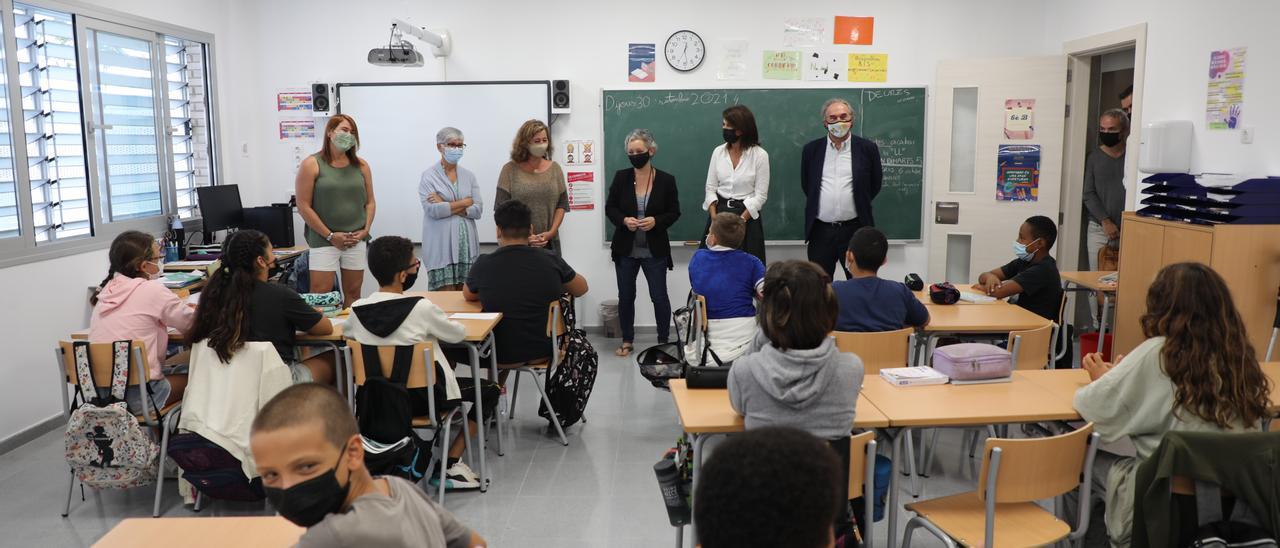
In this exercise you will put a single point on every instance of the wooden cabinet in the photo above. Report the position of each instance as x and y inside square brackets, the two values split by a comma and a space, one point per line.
[1247, 257]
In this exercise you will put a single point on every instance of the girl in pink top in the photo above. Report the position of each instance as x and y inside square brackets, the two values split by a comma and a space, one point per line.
[130, 305]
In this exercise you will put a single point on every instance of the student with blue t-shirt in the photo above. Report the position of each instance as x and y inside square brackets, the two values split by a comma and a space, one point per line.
[729, 279]
[869, 303]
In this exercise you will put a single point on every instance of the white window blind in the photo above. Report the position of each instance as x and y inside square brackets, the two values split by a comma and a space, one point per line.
[9, 215]
[49, 79]
[185, 63]
[128, 159]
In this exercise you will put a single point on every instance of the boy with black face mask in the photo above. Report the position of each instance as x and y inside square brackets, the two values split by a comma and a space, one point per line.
[309, 454]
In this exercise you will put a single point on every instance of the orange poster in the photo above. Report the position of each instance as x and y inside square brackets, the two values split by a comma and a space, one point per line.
[854, 30]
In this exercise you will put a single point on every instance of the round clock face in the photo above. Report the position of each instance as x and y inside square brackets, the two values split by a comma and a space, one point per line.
[685, 50]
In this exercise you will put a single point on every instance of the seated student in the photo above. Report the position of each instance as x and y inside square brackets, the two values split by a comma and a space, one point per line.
[389, 318]
[1033, 275]
[1196, 371]
[128, 307]
[793, 374]
[867, 302]
[768, 487]
[729, 279]
[308, 451]
[239, 305]
[520, 281]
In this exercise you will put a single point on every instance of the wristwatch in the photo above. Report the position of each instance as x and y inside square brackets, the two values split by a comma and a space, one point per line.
[329, 238]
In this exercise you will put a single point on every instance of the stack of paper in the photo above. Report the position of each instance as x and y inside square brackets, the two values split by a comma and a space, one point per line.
[970, 297]
[912, 376]
[175, 280]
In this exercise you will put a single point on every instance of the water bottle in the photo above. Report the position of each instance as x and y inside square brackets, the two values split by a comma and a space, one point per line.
[672, 494]
[179, 238]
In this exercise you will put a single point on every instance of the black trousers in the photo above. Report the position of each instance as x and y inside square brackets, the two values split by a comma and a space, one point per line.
[828, 243]
[753, 241]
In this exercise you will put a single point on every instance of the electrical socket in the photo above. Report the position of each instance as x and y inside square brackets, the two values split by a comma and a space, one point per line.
[1246, 136]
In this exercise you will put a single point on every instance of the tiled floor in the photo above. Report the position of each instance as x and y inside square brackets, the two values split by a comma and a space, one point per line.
[598, 491]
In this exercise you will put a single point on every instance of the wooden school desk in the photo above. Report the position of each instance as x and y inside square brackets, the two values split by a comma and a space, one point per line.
[1088, 281]
[204, 532]
[706, 412]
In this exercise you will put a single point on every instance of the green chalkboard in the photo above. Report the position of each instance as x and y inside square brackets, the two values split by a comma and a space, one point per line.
[686, 126]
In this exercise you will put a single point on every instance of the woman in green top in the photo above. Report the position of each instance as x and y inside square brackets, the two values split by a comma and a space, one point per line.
[335, 199]
[537, 181]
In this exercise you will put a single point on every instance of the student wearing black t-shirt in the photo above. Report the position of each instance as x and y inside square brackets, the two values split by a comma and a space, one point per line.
[520, 282]
[1033, 276]
[239, 305]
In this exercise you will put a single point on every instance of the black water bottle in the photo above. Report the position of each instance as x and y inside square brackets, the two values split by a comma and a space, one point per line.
[673, 495]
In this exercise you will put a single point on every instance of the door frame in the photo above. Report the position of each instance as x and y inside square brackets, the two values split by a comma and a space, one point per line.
[1079, 56]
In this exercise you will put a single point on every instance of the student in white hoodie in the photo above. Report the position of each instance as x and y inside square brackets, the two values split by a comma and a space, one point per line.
[390, 318]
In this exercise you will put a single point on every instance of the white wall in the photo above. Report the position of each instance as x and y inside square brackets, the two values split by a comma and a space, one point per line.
[1180, 35]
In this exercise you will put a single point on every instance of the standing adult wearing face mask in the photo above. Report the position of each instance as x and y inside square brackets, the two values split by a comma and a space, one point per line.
[1104, 192]
[738, 177]
[451, 203]
[643, 202]
[840, 175]
[533, 178]
[334, 190]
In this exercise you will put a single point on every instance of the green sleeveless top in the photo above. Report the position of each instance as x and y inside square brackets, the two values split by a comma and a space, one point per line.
[339, 199]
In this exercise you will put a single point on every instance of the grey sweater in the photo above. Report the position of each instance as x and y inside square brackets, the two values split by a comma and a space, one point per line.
[1104, 187]
[813, 390]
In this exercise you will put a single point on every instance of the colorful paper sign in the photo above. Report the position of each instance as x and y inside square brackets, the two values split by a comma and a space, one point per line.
[856, 31]
[581, 190]
[1019, 118]
[781, 65]
[824, 67]
[868, 67]
[1225, 103]
[733, 60]
[802, 32]
[293, 101]
[297, 130]
[579, 153]
[1018, 173]
[640, 65]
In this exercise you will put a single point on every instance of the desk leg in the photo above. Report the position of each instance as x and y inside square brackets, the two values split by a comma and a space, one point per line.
[1102, 320]
[699, 440]
[489, 346]
[480, 446]
[892, 508]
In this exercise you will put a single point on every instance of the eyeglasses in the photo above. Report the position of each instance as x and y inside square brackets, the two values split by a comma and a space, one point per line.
[840, 118]
[415, 264]
[449, 145]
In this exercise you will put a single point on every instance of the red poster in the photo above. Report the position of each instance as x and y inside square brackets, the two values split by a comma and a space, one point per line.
[854, 30]
[581, 190]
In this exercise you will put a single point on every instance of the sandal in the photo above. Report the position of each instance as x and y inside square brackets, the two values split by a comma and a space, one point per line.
[624, 350]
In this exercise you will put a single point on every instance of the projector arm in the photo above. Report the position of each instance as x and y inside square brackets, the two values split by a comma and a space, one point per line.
[440, 41]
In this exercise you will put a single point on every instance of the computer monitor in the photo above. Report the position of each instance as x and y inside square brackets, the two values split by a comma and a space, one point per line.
[220, 207]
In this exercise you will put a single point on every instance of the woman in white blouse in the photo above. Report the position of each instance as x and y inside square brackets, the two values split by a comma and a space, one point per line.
[738, 177]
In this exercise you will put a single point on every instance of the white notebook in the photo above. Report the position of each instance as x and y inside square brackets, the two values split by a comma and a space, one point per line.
[913, 376]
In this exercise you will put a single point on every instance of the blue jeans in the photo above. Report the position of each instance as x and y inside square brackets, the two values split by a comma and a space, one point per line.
[655, 272]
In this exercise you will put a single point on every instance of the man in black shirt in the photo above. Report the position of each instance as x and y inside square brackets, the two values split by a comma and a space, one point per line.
[520, 282]
[1033, 276]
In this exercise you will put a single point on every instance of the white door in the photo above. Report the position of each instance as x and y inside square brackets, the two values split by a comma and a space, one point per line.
[971, 231]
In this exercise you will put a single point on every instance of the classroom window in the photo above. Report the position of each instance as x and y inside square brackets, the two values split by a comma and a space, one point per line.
[48, 74]
[189, 122]
[9, 205]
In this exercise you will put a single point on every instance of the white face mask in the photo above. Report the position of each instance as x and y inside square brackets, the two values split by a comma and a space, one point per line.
[538, 150]
[159, 273]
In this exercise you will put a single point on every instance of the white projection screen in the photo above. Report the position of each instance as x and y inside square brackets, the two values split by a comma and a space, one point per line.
[398, 124]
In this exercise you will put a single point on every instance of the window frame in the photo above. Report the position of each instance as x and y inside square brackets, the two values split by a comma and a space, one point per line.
[23, 249]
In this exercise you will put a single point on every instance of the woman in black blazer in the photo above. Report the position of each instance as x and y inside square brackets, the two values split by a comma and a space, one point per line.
[642, 203]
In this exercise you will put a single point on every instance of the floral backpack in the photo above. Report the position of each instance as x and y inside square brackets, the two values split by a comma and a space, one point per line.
[106, 447]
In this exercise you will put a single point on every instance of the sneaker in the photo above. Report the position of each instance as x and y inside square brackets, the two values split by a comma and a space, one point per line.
[458, 476]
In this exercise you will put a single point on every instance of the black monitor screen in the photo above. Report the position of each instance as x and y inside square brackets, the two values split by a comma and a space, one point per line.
[220, 207]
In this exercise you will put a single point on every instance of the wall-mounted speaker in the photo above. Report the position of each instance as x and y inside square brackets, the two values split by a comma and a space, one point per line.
[560, 97]
[321, 100]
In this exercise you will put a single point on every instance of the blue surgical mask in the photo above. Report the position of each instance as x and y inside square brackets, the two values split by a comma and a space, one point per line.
[453, 154]
[1020, 250]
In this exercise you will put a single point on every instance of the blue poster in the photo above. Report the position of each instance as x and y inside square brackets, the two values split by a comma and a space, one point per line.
[640, 62]
[1018, 173]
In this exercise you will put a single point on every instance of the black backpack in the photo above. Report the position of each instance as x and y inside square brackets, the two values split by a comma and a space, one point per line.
[385, 417]
[569, 386]
[212, 470]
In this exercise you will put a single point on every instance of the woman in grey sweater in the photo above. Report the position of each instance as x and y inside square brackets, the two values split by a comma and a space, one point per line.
[793, 375]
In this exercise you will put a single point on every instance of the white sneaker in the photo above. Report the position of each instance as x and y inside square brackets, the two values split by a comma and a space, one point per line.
[459, 476]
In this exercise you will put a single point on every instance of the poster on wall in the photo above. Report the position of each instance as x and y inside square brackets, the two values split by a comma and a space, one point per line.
[298, 130]
[733, 60]
[640, 65]
[781, 65]
[868, 67]
[581, 190]
[802, 32]
[579, 153]
[293, 101]
[1225, 103]
[857, 31]
[1019, 118]
[824, 67]
[1018, 173]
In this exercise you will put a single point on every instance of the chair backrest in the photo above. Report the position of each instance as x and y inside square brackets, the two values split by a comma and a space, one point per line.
[555, 322]
[420, 375]
[702, 311]
[1030, 347]
[878, 350]
[1036, 468]
[858, 464]
[100, 362]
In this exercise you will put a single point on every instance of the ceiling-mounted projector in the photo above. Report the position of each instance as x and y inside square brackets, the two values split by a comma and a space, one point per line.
[399, 56]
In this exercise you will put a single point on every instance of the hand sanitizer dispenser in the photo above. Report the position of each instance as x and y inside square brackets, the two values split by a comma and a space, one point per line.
[1165, 147]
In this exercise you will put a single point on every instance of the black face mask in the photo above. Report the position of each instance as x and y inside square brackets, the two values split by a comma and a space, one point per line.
[730, 136]
[306, 503]
[638, 160]
[1108, 139]
[409, 279]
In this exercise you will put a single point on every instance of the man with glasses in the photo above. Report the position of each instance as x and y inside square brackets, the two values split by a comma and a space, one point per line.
[840, 175]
